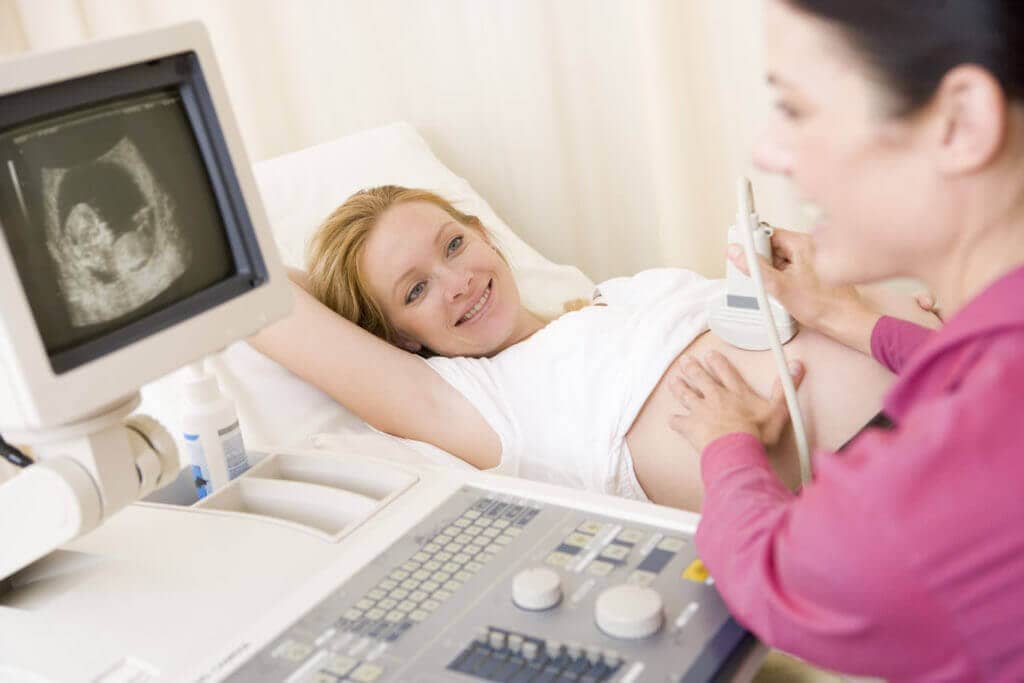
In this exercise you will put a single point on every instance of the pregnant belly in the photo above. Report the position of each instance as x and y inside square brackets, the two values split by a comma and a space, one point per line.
[842, 390]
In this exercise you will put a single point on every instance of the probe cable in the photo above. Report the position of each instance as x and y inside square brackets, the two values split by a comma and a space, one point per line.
[780, 358]
[12, 455]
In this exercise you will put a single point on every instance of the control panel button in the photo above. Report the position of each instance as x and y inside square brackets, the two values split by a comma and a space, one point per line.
[577, 539]
[366, 673]
[615, 552]
[672, 544]
[632, 536]
[558, 559]
[628, 611]
[339, 665]
[537, 589]
[696, 571]
[642, 578]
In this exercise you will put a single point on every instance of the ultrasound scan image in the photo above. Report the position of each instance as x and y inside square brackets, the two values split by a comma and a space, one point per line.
[112, 234]
[110, 215]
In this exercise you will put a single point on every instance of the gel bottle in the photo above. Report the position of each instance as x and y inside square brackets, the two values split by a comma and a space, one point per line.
[212, 436]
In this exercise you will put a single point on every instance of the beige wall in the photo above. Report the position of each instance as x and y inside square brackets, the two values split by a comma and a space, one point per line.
[608, 133]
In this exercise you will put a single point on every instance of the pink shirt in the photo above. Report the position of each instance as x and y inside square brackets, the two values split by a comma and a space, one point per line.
[905, 557]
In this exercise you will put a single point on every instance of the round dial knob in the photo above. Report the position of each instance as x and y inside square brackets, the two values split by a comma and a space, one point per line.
[537, 589]
[629, 611]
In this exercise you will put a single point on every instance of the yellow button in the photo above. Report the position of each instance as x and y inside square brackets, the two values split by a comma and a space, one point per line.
[591, 527]
[598, 568]
[696, 572]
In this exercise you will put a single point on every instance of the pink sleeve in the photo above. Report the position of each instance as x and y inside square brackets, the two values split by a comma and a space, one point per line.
[814, 574]
[893, 341]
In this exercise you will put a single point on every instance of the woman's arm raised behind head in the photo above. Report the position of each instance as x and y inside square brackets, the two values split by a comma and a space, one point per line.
[391, 389]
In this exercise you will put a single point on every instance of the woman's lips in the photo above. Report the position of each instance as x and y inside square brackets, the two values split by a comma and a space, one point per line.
[483, 311]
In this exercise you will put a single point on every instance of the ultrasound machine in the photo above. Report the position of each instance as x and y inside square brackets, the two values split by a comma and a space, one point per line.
[134, 242]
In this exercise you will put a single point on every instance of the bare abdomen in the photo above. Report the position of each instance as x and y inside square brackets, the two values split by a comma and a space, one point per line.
[840, 393]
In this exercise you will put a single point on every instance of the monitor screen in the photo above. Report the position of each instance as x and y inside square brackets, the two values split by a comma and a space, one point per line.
[117, 212]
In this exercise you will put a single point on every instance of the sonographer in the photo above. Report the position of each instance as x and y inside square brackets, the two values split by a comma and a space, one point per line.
[902, 126]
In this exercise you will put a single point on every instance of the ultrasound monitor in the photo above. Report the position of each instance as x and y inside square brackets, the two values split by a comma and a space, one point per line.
[133, 241]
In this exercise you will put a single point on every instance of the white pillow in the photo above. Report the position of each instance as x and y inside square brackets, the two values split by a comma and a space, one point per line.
[299, 190]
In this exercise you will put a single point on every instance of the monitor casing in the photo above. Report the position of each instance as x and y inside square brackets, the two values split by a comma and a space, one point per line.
[40, 391]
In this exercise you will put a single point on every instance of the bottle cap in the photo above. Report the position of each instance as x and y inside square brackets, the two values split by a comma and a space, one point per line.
[202, 389]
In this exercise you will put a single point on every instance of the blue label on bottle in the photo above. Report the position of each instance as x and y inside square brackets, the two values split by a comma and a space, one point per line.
[200, 470]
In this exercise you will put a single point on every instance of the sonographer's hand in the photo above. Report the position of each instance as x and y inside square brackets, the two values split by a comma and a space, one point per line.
[715, 400]
[836, 310]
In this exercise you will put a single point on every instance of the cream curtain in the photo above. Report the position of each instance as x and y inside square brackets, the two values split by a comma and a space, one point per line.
[607, 132]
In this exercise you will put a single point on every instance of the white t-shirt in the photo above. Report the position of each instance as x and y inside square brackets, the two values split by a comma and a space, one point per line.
[562, 400]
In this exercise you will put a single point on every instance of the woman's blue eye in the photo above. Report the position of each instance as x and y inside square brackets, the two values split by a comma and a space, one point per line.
[415, 292]
[455, 243]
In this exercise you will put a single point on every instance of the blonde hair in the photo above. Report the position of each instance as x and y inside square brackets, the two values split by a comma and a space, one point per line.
[333, 260]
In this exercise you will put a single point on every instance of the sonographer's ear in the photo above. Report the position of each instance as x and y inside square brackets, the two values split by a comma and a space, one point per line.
[973, 116]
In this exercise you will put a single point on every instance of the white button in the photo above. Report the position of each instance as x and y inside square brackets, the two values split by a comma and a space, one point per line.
[537, 589]
[628, 611]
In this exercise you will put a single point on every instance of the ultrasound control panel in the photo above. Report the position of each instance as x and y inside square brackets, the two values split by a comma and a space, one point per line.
[492, 587]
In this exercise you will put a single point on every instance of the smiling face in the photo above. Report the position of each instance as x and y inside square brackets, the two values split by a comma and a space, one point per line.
[441, 284]
[880, 202]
